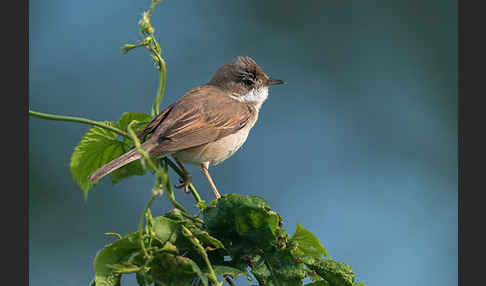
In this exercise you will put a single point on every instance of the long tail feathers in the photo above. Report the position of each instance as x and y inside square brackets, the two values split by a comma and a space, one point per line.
[116, 163]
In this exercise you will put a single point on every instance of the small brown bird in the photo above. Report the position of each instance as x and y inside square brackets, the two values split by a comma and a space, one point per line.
[208, 124]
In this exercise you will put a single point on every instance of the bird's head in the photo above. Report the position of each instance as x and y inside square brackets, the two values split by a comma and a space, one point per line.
[244, 80]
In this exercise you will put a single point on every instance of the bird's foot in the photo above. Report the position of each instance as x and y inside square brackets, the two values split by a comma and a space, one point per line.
[184, 182]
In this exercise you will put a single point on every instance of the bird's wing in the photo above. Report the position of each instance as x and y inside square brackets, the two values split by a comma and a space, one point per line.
[150, 128]
[203, 115]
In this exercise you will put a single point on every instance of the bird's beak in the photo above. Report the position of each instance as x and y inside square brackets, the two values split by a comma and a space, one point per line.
[272, 81]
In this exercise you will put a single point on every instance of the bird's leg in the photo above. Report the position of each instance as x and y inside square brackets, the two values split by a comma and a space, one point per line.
[204, 168]
[186, 180]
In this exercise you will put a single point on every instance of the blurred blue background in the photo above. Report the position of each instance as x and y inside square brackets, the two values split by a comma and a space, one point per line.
[360, 146]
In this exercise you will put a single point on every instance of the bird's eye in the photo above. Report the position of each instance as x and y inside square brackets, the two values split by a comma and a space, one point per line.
[248, 82]
[248, 78]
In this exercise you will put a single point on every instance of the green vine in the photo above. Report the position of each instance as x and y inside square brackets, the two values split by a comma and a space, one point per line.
[226, 237]
[79, 120]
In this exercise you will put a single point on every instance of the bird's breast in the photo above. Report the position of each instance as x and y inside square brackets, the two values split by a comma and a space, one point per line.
[217, 151]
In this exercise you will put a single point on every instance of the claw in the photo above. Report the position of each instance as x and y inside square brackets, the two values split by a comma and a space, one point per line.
[185, 182]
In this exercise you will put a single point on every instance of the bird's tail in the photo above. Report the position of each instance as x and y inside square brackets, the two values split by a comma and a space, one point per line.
[117, 163]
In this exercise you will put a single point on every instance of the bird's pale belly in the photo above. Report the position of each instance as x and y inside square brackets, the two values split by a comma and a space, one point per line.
[214, 152]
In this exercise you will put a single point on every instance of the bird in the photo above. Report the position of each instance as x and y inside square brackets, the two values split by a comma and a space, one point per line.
[207, 125]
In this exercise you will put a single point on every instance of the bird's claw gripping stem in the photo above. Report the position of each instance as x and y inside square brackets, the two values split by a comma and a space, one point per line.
[184, 182]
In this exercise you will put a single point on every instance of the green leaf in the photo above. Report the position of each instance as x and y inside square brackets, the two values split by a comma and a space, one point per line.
[97, 147]
[168, 230]
[336, 273]
[230, 271]
[127, 117]
[173, 270]
[116, 253]
[277, 268]
[245, 219]
[308, 242]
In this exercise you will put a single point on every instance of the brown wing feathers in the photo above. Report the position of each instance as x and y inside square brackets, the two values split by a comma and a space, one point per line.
[196, 120]
[155, 122]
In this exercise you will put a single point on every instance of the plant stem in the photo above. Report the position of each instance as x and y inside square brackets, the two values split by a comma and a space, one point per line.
[152, 6]
[154, 47]
[114, 234]
[141, 223]
[212, 275]
[170, 194]
[128, 270]
[79, 120]
[161, 89]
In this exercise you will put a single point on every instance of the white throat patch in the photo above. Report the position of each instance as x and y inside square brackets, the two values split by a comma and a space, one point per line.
[255, 96]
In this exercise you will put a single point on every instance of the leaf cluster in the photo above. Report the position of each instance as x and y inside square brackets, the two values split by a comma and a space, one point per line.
[238, 235]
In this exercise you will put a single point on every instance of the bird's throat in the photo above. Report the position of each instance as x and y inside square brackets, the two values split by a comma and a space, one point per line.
[255, 96]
